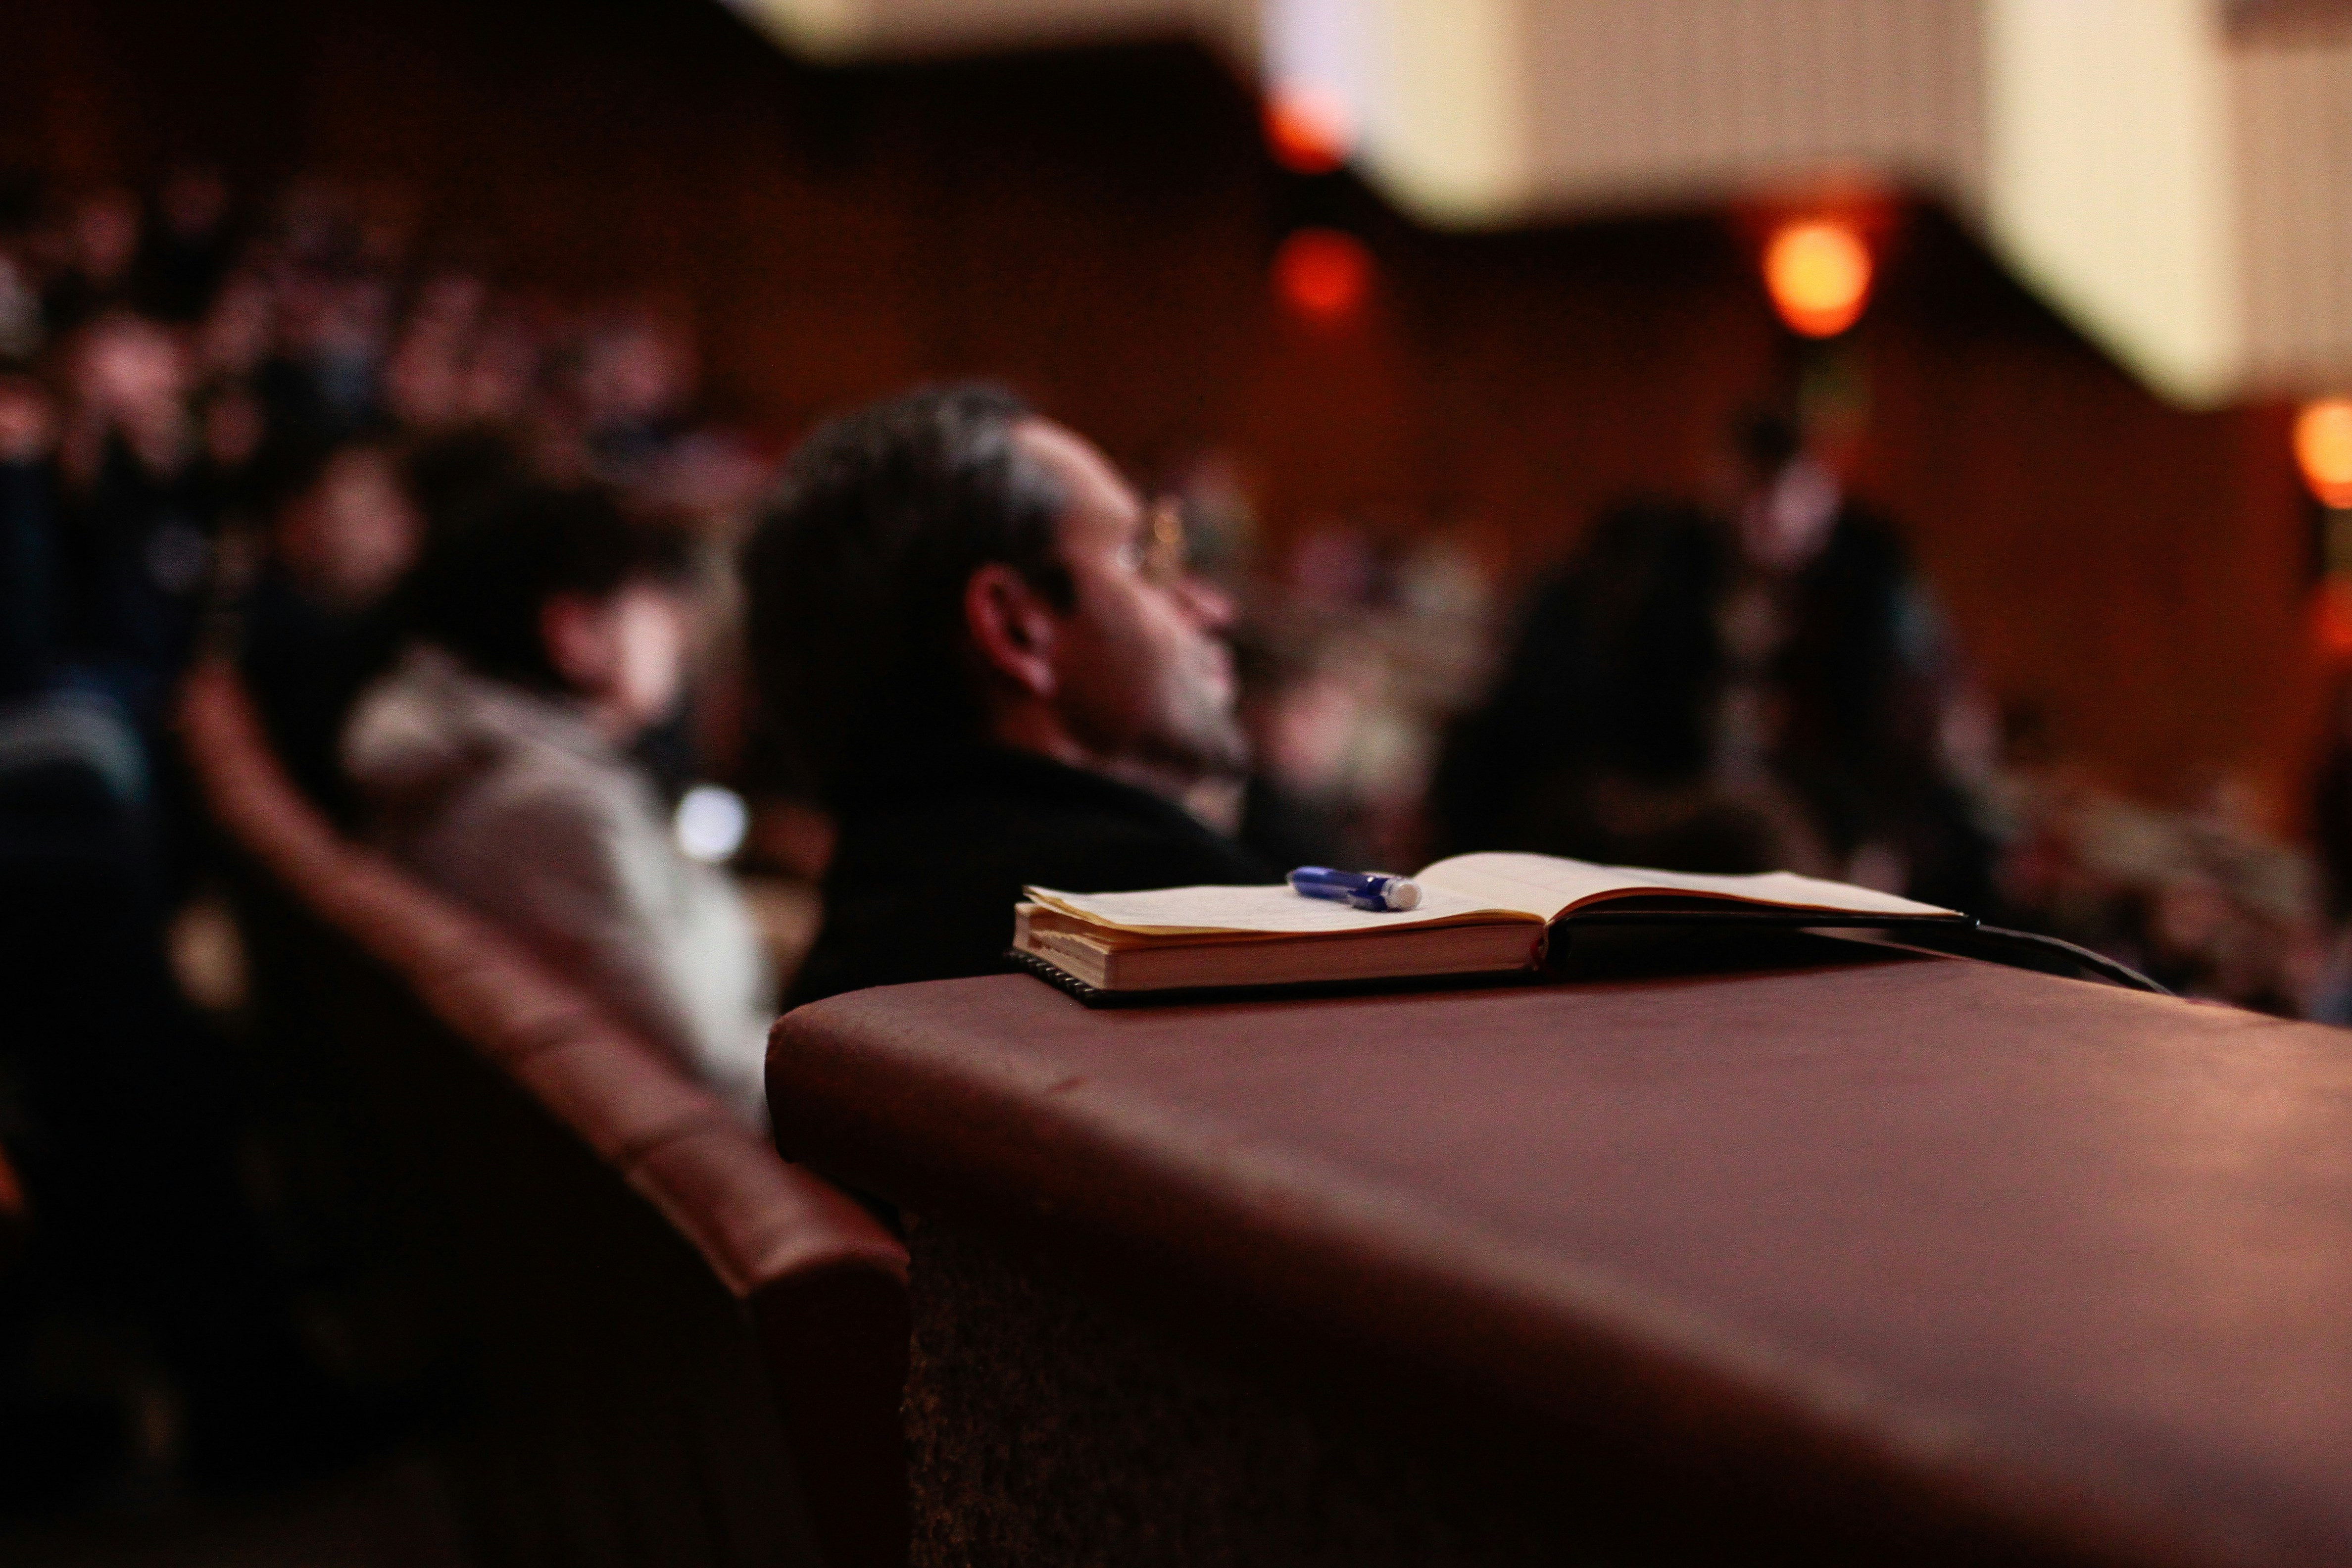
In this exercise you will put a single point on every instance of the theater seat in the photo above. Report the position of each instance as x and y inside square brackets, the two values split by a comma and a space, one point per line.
[620, 1264]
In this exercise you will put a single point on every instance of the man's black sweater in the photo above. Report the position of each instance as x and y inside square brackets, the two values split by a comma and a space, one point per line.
[923, 882]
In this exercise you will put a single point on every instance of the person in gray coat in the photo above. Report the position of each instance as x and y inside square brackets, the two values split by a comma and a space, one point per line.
[493, 761]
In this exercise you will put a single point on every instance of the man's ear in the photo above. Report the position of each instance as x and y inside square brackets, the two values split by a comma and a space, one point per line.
[1011, 628]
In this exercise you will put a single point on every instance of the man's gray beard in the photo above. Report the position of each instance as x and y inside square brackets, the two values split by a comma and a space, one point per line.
[1208, 744]
[1212, 746]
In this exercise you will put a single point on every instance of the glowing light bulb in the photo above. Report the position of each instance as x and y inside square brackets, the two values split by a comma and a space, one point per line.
[1324, 274]
[1307, 130]
[1818, 272]
[2323, 449]
[711, 823]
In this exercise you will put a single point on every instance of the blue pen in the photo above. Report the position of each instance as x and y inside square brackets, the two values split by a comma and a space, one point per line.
[1374, 891]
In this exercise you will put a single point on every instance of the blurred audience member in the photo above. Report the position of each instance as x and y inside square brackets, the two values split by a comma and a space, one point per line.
[2331, 801]
[450, 474]
[424, 379]
[2201, 895]
[21, 330]
[1600, 741]
[1001, 672]
[1782, 693]
[240, 327]
[1361, 651]
[187, 248]
[334, 331]
[1841, 677]
[2331, 821]
[1295, 807]
[316, 624]
[631, 383]
[494, 761]
[27, 537]
[100, 247]
[134, 545]
[69, 741]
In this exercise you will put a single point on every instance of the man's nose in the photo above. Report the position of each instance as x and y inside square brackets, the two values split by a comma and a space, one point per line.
[1211, 607]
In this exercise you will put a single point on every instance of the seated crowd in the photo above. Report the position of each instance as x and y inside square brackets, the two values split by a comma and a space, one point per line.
[237, 428]
[463, 546]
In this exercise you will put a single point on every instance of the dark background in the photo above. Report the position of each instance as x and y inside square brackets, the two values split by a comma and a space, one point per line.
[1096, 226]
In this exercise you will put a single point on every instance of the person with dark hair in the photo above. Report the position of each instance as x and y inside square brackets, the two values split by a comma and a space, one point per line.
[318, 623]
[451, 473]
[1598, 740]
[1000, 670]
[493, 760]
[1841, 674]
[137, 521]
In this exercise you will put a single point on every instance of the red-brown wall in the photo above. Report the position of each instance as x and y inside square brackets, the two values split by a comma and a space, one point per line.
[1096, 226]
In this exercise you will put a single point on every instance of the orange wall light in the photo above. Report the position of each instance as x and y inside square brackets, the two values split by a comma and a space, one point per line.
[2331, 618]
[1324, 274]
[1307, 130]
[2323, 449]
[1818, 271]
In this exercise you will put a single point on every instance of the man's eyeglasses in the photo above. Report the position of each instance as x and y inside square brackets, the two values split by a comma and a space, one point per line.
[1160, 554]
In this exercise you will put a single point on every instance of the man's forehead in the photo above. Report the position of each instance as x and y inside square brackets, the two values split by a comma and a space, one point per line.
[1097, 491]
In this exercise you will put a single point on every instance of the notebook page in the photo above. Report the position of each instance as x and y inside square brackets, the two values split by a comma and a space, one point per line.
[1273, 911]
[1545, 886]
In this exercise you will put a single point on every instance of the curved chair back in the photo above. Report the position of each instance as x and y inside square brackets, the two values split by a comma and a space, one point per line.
[590, 1218]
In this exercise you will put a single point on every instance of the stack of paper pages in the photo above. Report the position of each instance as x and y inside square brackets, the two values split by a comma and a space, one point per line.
[1478, 913]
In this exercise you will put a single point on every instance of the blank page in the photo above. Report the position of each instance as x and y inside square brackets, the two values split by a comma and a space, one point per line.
[1546, 886]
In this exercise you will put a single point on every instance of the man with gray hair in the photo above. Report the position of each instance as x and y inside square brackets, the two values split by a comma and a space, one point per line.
[1000, 671]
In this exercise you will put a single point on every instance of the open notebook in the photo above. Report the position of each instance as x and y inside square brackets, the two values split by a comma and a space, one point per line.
[1478, 914]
